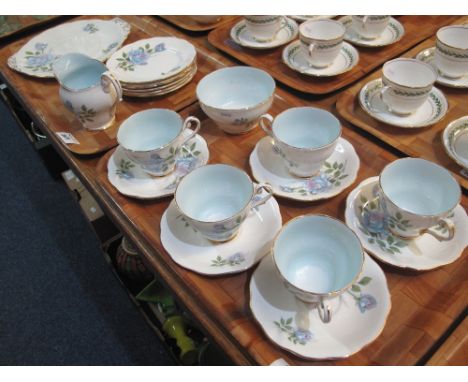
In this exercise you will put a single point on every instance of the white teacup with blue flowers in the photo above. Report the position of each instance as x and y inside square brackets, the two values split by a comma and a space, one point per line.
[153, 138]
[216, 199]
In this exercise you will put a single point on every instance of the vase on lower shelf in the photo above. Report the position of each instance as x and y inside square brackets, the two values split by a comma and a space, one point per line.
[130, 264]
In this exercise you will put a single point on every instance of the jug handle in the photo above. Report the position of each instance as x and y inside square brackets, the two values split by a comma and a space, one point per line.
[108, 78]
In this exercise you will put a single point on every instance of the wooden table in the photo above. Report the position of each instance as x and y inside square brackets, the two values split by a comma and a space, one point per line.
[424, 305]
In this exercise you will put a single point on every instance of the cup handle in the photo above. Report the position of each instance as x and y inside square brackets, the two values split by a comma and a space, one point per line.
[187, 124]
[311, 49]
[364, 21]
[443, 224]
[384, 90]
[324, 312]
[107, 79]
[258, 191]
[266, 122]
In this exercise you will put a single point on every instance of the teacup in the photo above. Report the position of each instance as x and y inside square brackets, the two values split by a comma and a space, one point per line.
[418, 197]
[318, 258]
[305, 137]
[370, 27]
[236, 97]
[153, 138]
[321, 41]
[451, 54]
[264, 28]
[407, 84]
[216, 199]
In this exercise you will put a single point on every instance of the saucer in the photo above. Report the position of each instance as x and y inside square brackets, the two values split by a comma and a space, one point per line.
[338, 172]
[427, 56]
[242, 36]
[293, 56]
[192, 251]
[392, 33]
[130, 180]
[431, 111]
[358, 315]
[455, 139]
[422, 253]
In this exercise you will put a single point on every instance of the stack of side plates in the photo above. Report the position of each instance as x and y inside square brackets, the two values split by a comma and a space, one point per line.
[154, 66]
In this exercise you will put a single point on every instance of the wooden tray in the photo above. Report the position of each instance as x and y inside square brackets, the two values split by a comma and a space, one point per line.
[13, 24]
[417, 29]
[187, 23]
[415, 321]
[49, 109]
[424, 142]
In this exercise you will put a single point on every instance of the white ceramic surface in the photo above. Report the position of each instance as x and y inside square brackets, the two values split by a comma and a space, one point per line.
[302, 18]
[366, 217]
[407, 84]
[95, 38]
[370, 26]
[427, 55]
[236, 97]
[130, 179]
[455, 139]
[359, 315]
[321, 41]
[151, 60]
[393, 32]
[264, 28]
[153, 138]
[216, 199]
[432, 111]
[337, 173]
[87, 89]
[293, 56]
[242, 36]
[305, 137]
[191, 250]
[451, 53]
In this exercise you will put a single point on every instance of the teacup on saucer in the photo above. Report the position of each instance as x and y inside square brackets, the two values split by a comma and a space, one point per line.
[455, 139]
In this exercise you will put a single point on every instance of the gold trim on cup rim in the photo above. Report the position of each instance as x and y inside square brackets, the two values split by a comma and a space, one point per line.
[410, 60]
[328, 294]
[414, 213]
[213, 165]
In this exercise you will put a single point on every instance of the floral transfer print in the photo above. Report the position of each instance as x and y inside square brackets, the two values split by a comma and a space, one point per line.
[40, 59]
[139, 56]
[295, 335]
[364, 301]
[124, 169]
[232, 260]
[185, 163]
[86, 115]
[110, 47]
[90, 28]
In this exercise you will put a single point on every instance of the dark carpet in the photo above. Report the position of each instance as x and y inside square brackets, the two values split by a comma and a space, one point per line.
[59, 302]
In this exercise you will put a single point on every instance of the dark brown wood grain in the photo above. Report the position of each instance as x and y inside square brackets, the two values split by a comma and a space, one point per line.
[424, 142]
[187, 23]
[417, 29]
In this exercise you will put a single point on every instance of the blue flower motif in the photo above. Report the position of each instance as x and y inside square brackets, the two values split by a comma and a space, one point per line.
[318, 184]
[374, 221]
[303, 336]
[185, 165]
[237, 258]
[138, 56]
[156, 163]
[40, 60]
[366, 302]
[160, 47]
[40, 46]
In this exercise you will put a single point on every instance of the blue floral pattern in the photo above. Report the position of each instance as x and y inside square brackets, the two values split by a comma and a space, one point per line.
[139, 56]
[235, 259]
[295, 335]
[110, 47]
[90, 28]
[40, 59]
[364, 301]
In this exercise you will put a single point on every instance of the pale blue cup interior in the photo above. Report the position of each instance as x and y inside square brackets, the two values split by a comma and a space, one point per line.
[214, 192]
[149, 129]
[419, 186]
[235, 88]
[77, 71]
[306, 127]
[318, 254]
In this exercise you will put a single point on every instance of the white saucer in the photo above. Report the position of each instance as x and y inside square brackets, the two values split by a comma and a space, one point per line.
[190, 250]
[293, 56]
[423, 253]
[288, 322]
[427, 55]
[338, 172]
[455, 139]
[392, 33]
[432, 111]
[130, 180]
[242, 36]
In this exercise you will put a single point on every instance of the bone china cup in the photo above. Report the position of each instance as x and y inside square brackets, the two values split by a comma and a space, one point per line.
[451, 54]
[418, 197]
[236, 97]
[264, 28]
[318, 258]
[370, 27]
[153, 138]
[304, 137]
[216, 199]
[321, 41]
[407, 84]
